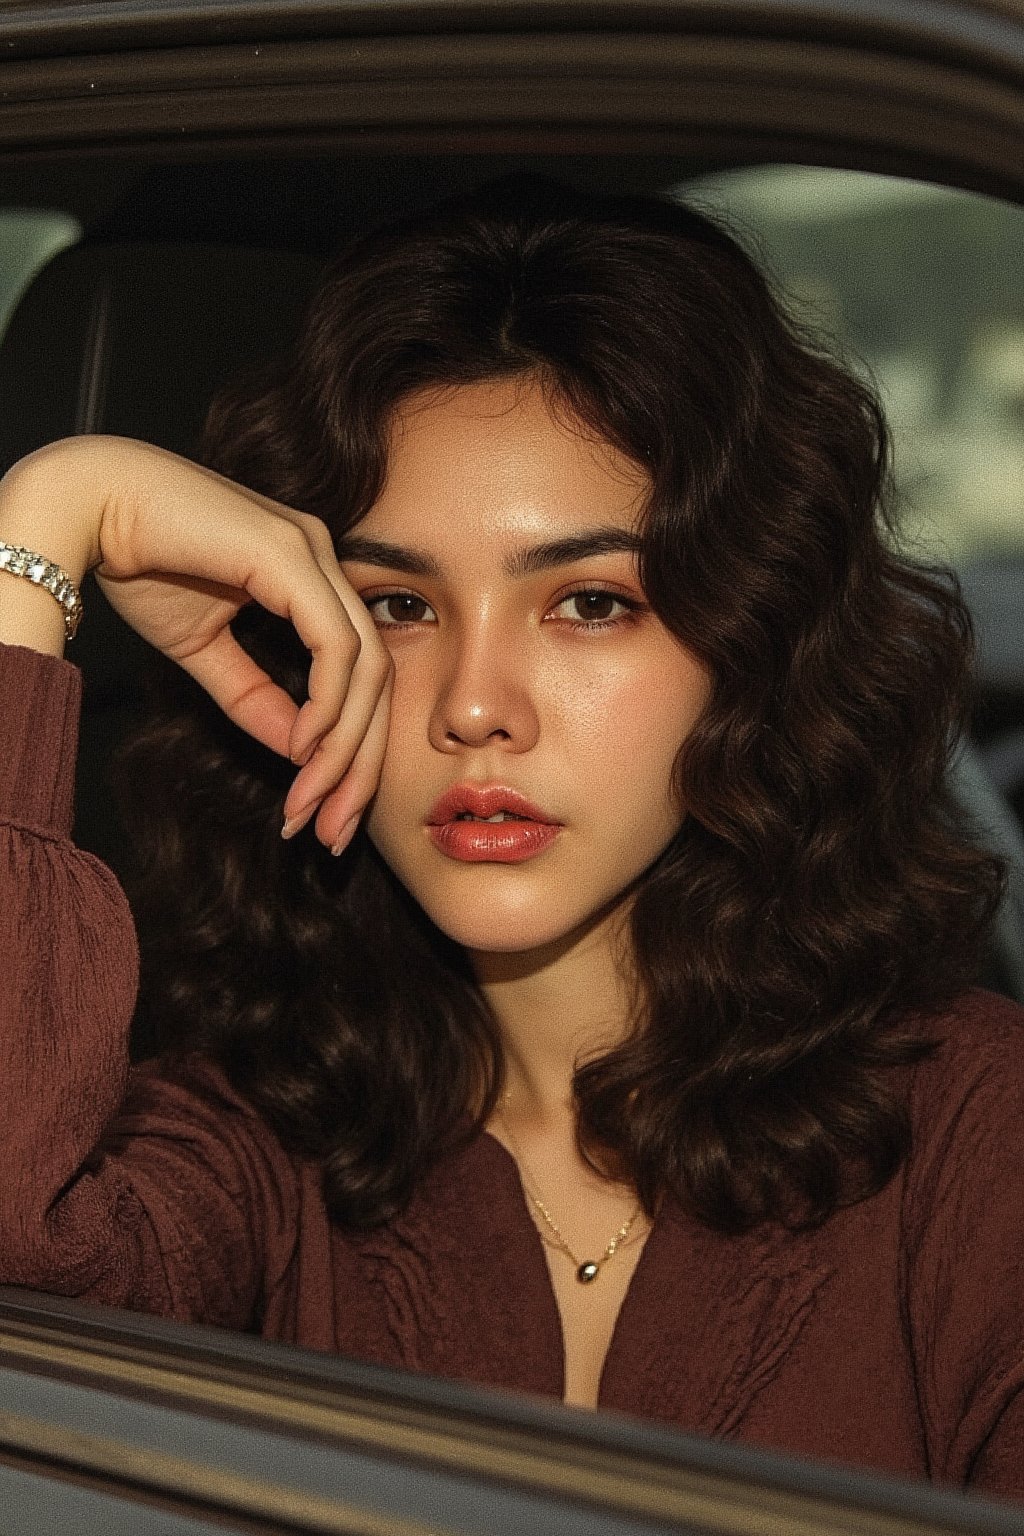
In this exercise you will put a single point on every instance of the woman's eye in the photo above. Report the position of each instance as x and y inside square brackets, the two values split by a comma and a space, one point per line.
[593, 609]
[392, 609]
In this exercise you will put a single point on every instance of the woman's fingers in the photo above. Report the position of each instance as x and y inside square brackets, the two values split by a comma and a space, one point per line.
[340, 812]
[316, 718]
[182, 549]
[244, 692]
[328, 772]
[350, 752]
[349, 683]
[332, 624]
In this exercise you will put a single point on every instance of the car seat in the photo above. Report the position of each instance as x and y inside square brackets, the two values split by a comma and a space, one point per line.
[134, 338]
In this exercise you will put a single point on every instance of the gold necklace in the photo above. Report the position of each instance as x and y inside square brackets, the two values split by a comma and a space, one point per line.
[587, 1270]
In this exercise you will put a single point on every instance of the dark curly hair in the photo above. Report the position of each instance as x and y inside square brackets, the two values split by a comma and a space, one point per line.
[820, 901]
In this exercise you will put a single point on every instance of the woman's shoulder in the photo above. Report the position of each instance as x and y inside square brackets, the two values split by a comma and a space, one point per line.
[187, 1079]
[189, 1097]
[966, 1098]
[978, 1039]
[960, 1255]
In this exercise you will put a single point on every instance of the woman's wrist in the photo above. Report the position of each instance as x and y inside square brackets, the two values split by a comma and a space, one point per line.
[48, 504]
[37, 514]
[30, 616]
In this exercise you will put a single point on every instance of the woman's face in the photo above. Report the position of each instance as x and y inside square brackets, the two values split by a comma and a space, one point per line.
[508, 675]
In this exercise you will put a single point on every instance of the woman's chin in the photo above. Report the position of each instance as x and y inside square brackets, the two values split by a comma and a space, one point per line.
[502, 909]
[542, 929]
[496, 932]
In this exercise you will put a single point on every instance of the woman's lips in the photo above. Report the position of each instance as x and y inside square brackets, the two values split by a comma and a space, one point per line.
[483, 800]
[502, 842]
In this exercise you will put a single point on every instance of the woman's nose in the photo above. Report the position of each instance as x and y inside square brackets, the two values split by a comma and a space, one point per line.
[484, 694]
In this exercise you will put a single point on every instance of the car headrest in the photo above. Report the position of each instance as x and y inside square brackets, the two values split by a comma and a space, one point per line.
[135, 338]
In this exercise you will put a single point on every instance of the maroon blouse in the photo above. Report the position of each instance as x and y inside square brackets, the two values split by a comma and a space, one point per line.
[893, 1338]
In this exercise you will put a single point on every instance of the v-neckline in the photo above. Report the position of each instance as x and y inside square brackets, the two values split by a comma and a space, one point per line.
[621, 1324]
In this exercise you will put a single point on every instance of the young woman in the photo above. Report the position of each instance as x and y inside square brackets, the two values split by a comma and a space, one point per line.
[624, 1052]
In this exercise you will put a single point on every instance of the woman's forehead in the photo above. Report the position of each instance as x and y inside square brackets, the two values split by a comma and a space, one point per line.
[499, 460]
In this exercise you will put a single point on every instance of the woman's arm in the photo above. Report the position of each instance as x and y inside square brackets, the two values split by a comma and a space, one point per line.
[178, 551]
[152, 1192]
[129, 1224]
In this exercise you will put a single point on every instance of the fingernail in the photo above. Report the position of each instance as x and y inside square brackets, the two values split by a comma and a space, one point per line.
[345, 836]
[293, 824]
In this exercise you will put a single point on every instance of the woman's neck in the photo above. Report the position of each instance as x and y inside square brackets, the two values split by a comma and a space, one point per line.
[556, 1009]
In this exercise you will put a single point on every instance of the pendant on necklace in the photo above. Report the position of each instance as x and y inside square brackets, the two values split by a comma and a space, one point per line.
[587, 1272]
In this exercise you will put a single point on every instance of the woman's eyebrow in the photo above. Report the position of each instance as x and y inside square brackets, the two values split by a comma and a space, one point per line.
[539, 557]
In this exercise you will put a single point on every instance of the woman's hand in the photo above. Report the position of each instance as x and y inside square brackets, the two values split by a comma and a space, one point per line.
[178, 550]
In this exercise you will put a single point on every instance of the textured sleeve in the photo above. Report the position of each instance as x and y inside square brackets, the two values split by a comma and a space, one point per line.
[151, 1191]
[964, 1248]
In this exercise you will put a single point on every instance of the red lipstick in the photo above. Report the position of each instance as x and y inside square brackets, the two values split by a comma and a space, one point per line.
[478, 841]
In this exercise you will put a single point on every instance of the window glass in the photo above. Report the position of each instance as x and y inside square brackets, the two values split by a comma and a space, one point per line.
[921, 286]
[28, 239]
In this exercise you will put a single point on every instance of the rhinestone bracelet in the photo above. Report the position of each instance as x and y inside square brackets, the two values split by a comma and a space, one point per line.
[25, 562]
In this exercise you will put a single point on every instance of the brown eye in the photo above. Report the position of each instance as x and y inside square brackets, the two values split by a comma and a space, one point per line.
[392, 609]
[594, 605]
[593, 609]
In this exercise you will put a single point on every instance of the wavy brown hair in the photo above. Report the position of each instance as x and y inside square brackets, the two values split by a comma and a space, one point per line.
[820, 901]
